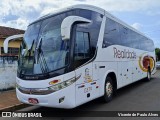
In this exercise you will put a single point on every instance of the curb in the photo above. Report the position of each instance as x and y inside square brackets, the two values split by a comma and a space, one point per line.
[6, 90]
[15, 107]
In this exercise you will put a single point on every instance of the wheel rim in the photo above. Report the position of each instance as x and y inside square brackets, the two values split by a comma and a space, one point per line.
[109, 89]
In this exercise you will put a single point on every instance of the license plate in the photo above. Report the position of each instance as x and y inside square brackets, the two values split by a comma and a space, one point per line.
[33, 100]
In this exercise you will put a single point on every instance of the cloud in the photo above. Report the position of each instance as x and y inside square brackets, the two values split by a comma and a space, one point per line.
[137, 26]
[18, 23]
[27, 11]
[153, 13]
[156, 42]
[81, 0]
[129, 5]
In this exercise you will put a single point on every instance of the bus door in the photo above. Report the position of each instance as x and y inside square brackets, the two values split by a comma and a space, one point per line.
[83, 67]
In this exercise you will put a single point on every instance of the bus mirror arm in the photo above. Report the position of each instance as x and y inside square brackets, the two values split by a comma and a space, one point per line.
[67, 25]
[6, 41]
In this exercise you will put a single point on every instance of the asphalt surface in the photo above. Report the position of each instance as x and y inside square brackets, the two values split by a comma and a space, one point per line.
[139, 96]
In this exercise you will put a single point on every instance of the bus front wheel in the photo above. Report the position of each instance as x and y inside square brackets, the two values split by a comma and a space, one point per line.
[108, 90]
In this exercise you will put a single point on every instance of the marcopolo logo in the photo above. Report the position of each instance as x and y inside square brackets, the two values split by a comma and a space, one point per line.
[124, 54]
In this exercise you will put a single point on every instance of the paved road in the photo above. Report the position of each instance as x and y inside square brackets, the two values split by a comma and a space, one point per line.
[139, 96]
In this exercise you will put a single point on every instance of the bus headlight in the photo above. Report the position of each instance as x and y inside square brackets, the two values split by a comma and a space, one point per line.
[62, 85]
[48, 90]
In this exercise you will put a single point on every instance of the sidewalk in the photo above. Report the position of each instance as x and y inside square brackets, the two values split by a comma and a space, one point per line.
[9, 101]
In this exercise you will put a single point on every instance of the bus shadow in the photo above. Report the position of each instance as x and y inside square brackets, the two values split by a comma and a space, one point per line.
[94, 104]
[131, 87]
[120, 92]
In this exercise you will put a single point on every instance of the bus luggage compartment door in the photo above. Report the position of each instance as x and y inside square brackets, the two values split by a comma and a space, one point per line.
[83, 84]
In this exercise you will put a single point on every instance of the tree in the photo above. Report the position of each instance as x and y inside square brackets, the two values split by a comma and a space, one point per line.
[157, 50]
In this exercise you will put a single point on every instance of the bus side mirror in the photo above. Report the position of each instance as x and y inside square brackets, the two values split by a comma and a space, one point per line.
[67, 25]
[6, 41]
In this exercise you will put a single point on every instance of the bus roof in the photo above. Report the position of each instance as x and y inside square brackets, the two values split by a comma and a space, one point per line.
[92, 8]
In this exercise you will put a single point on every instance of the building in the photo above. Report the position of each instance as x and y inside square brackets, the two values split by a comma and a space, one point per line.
[13, 47]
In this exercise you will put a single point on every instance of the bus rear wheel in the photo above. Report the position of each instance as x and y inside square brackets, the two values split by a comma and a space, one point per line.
[108, 90]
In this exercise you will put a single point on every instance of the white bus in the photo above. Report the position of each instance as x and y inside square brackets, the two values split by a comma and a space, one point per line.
[79, 54]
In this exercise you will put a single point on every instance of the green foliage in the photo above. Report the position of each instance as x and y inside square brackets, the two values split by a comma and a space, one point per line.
[157, 51]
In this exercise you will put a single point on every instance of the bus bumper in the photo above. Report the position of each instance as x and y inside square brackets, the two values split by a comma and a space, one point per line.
[64, 98]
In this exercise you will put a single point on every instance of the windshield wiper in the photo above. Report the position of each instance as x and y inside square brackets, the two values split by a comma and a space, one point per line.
[40, 57]
[30, 50]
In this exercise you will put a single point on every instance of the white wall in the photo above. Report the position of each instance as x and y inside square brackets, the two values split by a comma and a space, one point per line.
[8, 72]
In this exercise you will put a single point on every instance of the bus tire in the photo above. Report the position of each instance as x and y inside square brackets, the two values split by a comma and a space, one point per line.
[108, 90]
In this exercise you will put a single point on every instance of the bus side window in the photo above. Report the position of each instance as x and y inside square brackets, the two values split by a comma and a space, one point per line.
[82, 48]
[111, 34]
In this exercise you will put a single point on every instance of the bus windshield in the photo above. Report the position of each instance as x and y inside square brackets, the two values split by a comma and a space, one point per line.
[43, 49]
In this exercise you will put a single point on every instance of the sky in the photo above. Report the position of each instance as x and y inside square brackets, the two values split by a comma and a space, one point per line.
[144, 15]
